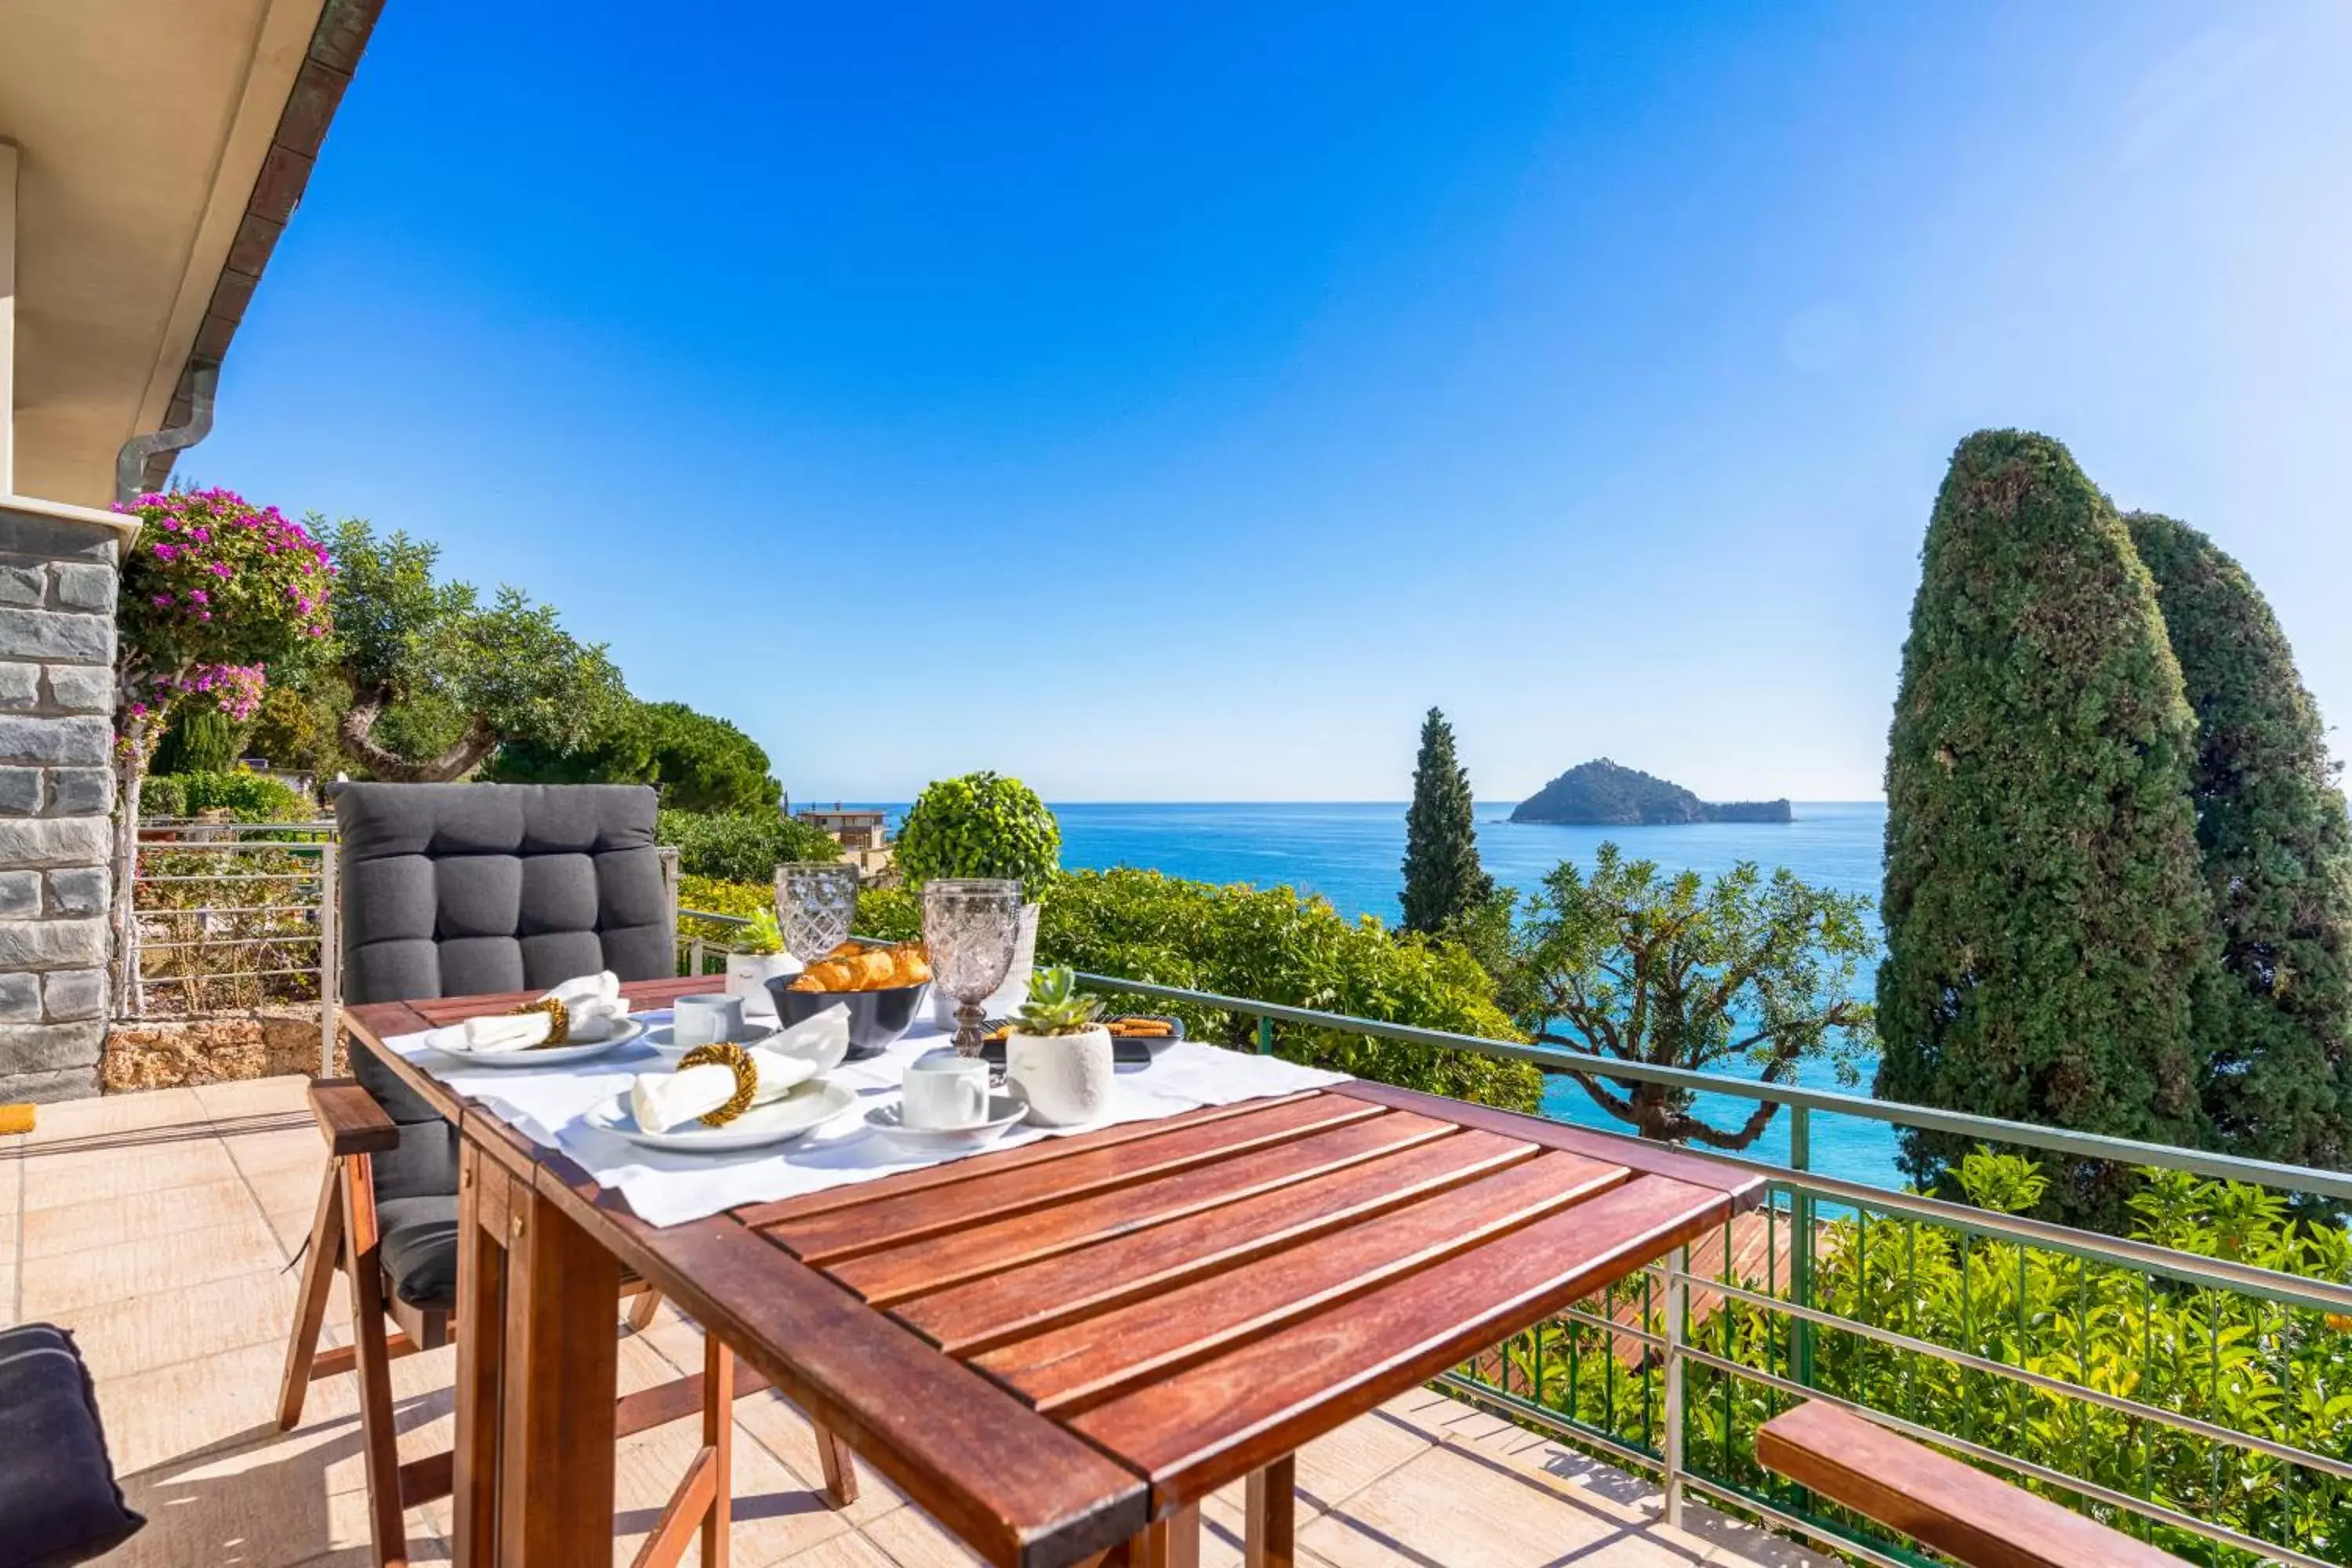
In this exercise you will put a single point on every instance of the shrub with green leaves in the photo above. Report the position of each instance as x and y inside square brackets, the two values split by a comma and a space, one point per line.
[245, 796]
[980, 825]
[1272, 944]
[2219, 1356]
[741, 846]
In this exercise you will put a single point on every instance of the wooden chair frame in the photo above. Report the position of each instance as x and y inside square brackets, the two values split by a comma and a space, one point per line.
[344, 1238]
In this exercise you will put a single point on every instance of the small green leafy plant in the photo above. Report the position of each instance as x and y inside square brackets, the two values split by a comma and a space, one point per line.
[980, 825]
[1055, 1007]
[761, 937]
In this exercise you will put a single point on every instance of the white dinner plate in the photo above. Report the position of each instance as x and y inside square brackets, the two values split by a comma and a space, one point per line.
[548, 1056]
[809, 1107]
[1005, 1107]
[663, 1037]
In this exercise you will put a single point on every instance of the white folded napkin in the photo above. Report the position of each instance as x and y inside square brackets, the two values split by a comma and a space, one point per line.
[592, 1003]
[664, 1100]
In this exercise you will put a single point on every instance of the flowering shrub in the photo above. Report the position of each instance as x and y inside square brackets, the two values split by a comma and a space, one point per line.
[214, 588]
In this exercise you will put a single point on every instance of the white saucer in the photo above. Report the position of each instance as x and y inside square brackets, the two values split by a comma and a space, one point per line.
[663, 1037]
[1005, 1107]
[548, 1055]
[805, 1108]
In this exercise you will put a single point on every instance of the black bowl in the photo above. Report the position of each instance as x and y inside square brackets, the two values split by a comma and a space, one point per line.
[877, 1018]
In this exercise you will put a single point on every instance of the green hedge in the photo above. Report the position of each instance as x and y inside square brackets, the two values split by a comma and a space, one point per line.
[246, 797]
[1273, 946]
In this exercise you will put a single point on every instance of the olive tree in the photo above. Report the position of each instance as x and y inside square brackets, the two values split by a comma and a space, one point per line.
[496, 672]
[1745, 970]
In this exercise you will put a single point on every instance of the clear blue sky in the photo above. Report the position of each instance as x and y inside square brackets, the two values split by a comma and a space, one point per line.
[1174, 402]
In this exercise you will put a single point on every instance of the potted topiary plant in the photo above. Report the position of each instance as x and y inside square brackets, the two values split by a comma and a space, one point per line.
[757, 957]
[984, 825]
[1058, 1054]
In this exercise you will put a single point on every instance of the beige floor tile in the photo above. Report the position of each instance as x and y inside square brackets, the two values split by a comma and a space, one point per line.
[187, 1409]
[913, 1539]
[270, 1505]
[124, 1170]
[841, 1551]
[107, 1222]
[255, 1097]
[71, 1121]
[55, 1285]
[120, 1337]
[9, 1318]
[1335, 1467]
[287, 1186]
[287, 1149]
[1451, 1507]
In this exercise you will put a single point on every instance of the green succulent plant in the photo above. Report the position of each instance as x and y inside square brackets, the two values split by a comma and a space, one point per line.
[1055, 1007]
[761, 936]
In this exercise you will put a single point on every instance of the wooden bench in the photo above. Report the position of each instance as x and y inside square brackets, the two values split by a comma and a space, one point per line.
[1958, 1510]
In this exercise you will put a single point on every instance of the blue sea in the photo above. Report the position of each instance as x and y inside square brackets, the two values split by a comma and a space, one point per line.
[1352, 853]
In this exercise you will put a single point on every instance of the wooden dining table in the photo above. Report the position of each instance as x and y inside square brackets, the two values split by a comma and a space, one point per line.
[1057, 1350]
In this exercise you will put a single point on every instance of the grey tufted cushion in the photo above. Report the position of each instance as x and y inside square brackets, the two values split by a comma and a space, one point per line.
[458, 890]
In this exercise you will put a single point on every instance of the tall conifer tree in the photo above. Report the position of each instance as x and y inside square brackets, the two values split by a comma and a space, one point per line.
[1442, 880]
[2277, 848]
[2046, 922]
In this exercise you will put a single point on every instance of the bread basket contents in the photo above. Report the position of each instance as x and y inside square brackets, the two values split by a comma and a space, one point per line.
[857, 966]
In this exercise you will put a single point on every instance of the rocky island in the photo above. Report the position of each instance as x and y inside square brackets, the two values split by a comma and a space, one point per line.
[1600, 792]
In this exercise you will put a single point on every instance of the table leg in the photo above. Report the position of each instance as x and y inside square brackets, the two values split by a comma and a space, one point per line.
[561, 1372]
[482, 1209]
[1170, 1543]
[1272, 1515]
[718, 1441]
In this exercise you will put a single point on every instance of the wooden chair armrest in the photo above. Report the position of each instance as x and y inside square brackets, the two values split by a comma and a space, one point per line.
[350, 1119]
[1965, 1513]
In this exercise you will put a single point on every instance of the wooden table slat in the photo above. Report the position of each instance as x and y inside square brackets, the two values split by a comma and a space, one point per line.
[1216, 1421]
[1745, 1185]
[994, 1193]
[915, 1267]
[974, 1317]
[759, 1216]
[1067, 1369]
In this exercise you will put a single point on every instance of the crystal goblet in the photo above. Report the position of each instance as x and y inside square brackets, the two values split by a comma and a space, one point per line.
[970, 927]
[815, 902]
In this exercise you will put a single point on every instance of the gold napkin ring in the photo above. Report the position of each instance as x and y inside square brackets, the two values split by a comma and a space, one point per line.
[726, 1053]
[559, 1020]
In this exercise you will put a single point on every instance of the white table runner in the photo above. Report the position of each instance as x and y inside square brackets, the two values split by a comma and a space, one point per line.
[546, 1105]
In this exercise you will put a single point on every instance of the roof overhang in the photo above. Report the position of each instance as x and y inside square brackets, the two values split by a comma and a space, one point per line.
[161, 145]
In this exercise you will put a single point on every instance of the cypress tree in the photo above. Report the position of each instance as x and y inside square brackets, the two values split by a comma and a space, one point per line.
[2277, 848]
[1443, 881]
[2046, 923]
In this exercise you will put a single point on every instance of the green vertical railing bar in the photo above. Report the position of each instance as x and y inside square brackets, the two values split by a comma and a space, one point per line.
[1800, 1243]
[1266, 1036]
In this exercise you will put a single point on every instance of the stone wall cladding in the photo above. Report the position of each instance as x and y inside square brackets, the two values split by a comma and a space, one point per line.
[58, 585]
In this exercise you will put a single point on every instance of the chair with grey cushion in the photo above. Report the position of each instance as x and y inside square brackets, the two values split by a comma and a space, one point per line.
[455, 890]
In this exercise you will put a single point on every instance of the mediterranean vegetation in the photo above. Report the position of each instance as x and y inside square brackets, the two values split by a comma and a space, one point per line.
[2113, 901]
[1604, 793]
[1443, 884]
[2218, 1356]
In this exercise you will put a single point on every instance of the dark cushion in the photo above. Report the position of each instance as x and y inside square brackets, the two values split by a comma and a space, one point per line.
[458, 890]
[58, 1502]
[420, 1249]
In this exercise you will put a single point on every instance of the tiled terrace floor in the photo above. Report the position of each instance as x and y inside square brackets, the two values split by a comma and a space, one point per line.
[160, 1228]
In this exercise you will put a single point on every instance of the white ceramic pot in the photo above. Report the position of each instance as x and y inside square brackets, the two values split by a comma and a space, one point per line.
[748, 975]
[1067, 1077]
[1006, 999]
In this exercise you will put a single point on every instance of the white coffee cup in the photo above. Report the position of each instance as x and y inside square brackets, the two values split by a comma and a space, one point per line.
[945, 1090]
[706, 1020]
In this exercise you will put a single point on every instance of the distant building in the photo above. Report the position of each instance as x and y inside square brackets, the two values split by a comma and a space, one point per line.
[850, 829]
